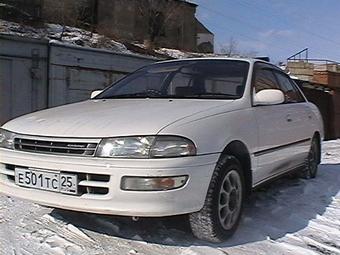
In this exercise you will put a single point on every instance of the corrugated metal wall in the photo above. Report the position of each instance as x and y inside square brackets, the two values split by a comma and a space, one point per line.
[26, 64]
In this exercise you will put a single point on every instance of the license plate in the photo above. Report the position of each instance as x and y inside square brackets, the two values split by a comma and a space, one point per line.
[46, 180]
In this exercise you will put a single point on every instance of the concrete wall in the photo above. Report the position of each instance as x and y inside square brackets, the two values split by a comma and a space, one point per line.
[129, 20]
[180, 30]
[301, 69]
[35, 74]
[117, 19]
[326, 74]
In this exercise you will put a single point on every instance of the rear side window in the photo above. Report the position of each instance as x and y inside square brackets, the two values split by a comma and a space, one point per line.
[265, 79]
[291, 93]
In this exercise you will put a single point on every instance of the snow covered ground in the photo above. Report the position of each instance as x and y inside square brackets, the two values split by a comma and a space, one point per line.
[290, 216]
[81, 37]
[71, 35]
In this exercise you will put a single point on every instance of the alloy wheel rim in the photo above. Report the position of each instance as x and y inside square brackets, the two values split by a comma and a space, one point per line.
[230, 199]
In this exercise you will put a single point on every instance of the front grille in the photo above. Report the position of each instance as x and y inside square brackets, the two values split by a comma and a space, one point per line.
[88, 183]
[8, 172]
[55, 147]
[97, 184]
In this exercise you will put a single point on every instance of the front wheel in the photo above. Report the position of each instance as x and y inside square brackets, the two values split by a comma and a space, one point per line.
[220, 215]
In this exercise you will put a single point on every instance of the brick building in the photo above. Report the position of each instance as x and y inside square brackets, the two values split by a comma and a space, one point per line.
[320, 80]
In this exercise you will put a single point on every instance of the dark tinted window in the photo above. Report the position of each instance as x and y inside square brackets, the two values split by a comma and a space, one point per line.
[302, 98]
[224, 79]
[291, 93]
[265, 79]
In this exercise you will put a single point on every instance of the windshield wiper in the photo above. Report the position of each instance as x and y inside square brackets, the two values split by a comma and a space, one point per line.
[216, 95]
[132, 95]
[156, 95]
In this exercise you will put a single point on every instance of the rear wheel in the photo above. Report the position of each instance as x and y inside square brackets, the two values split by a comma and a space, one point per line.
[312, 161]
[221, 212]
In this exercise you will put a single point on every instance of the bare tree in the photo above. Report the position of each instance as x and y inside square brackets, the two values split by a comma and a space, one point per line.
[231, 49]
[66, 12]
[158, 13]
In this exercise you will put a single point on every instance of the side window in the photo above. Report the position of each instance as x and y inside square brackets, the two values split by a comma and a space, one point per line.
[302, 99]
[224, 85]
[265, 79]
[291, 93]
[180, 85]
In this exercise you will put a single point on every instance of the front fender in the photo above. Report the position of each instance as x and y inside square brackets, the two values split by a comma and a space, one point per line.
[213, 133]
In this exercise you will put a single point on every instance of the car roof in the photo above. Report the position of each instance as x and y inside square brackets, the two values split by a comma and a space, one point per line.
[249, 60]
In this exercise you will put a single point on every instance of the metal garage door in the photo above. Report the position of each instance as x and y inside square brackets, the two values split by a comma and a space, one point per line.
[23, 86]
[5, 90]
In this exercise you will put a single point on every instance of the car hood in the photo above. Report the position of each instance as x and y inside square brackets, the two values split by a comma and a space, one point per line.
[109, 118]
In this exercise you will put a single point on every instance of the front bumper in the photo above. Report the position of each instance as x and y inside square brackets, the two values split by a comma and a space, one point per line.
[187, 199]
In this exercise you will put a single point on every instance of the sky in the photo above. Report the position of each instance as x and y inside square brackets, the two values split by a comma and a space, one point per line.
[274, 28]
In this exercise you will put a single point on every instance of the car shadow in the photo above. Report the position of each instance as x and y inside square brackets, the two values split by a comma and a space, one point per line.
[284, 206]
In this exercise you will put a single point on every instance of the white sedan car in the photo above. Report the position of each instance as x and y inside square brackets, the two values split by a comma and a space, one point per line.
[190, 136]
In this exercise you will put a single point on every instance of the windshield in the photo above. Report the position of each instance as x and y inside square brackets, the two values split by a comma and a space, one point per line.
[213, 79]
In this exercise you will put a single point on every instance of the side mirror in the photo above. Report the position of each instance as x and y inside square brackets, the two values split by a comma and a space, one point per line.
[95, 93]
[269, 97]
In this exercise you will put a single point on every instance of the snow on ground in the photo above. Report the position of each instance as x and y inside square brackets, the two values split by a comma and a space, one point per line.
[173, 53]
[291, 216]
[71, 35]
[80, 37]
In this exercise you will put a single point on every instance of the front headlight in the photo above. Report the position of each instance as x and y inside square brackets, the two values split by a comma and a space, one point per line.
[146, 147]
[6, 139]
[172, 146]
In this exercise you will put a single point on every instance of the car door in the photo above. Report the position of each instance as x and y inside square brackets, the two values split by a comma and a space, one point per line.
[276, 125]
[298, 118]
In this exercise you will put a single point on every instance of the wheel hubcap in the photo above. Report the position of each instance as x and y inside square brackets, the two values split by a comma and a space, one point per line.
[230, 199]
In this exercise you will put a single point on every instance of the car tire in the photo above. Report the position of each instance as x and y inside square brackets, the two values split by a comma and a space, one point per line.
[312, 161]
[221, 213]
